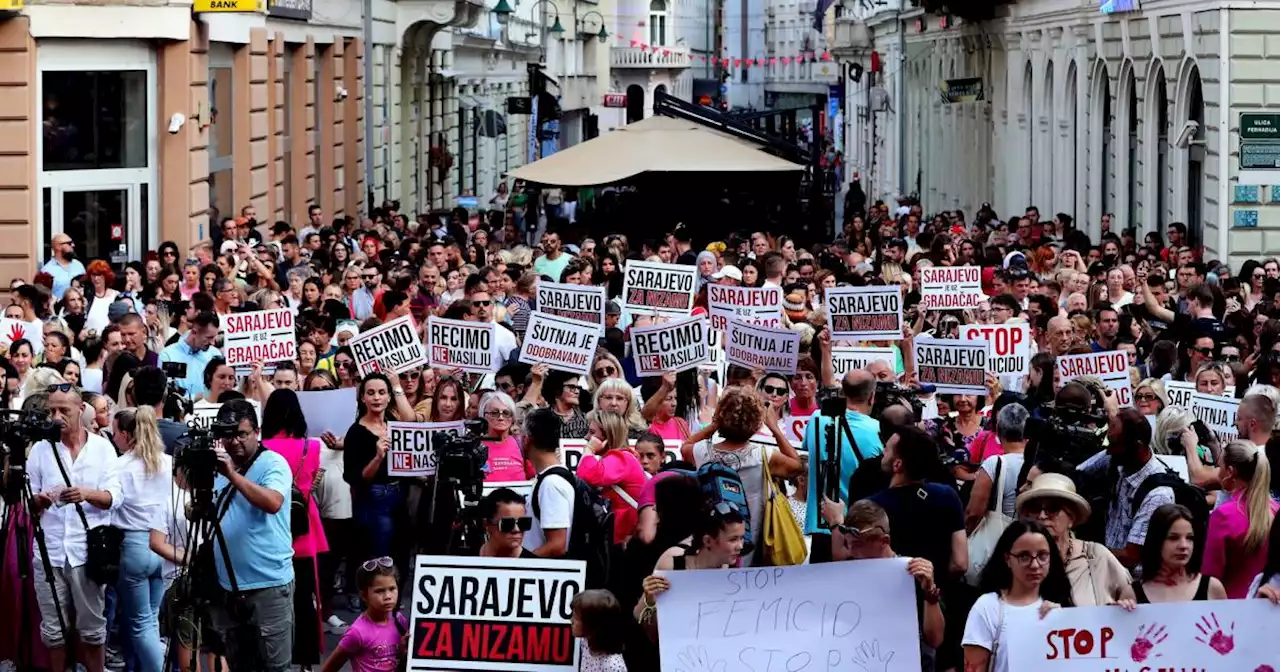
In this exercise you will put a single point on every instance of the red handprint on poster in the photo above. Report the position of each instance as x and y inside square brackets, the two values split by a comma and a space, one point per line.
[1211, 634]
[1149, 637]
[16, 332]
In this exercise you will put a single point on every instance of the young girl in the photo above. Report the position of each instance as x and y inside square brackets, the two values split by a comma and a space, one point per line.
[375, 639]
[598, 623]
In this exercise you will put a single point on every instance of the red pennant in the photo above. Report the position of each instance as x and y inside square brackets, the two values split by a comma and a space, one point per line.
[666, 52]
[773, 61]
[691, 57]
[826, 55]
[799, 59]
[635, 43]
[737, 62]
[704, 58]
[786, 60]
[644, 47]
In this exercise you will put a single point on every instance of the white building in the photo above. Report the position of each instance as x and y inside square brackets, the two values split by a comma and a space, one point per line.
[653, 53]
[1084, 113]
[789, 32]
[745, 38]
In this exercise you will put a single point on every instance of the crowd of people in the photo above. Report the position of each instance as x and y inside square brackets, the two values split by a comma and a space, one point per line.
[992, 518]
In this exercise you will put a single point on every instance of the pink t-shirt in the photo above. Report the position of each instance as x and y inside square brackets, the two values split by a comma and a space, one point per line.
[506, 462]
[373, 646]
[304, 473]
[673, 429]
[621, 468]
[1225, 556]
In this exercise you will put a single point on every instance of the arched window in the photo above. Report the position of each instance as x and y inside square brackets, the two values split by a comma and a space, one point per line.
[658, 22]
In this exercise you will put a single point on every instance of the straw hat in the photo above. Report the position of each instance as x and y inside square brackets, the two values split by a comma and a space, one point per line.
[1058, 486]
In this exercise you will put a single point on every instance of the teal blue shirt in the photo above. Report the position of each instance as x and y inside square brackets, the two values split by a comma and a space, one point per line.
[260, 542]
[196, 362]
[866, 431]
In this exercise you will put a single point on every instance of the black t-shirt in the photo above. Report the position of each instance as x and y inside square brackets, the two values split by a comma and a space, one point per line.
[922, 518]
[1189, 328]
[358, 449]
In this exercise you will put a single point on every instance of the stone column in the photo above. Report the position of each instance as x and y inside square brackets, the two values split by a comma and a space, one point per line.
[326, 125]
[352, 131]
[276, 207]
[182, 73]
[340, 122]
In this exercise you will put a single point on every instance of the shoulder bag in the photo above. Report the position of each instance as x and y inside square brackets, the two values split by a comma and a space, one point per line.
[299, 503]
[995, 641]
[103, 542]
[782, 540]
[983, 540]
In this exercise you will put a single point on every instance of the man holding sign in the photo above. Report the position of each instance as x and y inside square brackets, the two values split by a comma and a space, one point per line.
[560, 343]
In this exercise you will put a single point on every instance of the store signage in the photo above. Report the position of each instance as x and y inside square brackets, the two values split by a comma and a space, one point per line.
[520, 105]
[966, 90]
[290, 9]
[615, 100]
[11, 5]
[1259, 148]
[229, 6]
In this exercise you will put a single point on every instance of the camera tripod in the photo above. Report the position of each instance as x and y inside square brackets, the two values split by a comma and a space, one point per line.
[458, 503]
[18, 499]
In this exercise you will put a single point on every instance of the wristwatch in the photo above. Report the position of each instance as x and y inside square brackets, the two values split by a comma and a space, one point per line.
[398, 391]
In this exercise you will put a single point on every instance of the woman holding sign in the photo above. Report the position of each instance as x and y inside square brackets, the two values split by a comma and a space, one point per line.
[376, 498]
[1171, 559]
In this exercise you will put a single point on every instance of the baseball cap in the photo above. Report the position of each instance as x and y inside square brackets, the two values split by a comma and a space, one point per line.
[729, 271]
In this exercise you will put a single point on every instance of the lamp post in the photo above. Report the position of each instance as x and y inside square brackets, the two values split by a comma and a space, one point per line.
[603, 35]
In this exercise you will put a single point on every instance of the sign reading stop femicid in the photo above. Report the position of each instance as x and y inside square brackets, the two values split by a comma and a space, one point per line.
[1008, 346]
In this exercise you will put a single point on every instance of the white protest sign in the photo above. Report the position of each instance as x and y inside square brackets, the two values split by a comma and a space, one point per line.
[953, 366]
[1218, 413]
[756, 347]
[265, 336]
[1179, 393]
[715, 351]
[856, 615]
[202, 415]
[572, 450]
[865, 313]
[15, 330]
[794, 426]
[1178, 463]
[458, 344]
[670, 346]
[560, 343]
[1112, 367]
[500, 614]
[753, 305]
[393, 347]
[651, 288]
[329, 411]
[1008, 346]
[848, 358]
[411, 452]
[951, 287]
[584, 303]
[1208, 636]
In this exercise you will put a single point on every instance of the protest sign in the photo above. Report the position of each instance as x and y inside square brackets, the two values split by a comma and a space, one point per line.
[458, 344]
[329, 411]
[756, 347]
[857, 615]
[265, 336]
[651, 288]
[202, 415]
[753, 305]
[1111, 367]
[1179, 393]
[953, 366]
[846, 358]
[572, 450]
[411, 451]
[865, 313]
[715, 351]
[391, 348]
[583, 303]
[1008, 346]
[15, 330]
[671, 346]
[1207, 636]
[501, 614]
[560, 343]
[1218, 413]
[951, 287]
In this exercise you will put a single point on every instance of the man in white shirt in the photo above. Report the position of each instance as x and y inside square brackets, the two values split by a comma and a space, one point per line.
[67, 511]
[553, 493]
[508, 349]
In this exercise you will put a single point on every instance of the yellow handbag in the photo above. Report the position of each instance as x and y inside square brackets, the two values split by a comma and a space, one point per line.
[782, 540]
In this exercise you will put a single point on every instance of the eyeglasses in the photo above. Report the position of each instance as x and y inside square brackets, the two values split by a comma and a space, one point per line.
[606, 371]
[375, 563]
[500, 414]
[62, 387]
[1047, 506]
[510, 525]
[1026, 559]
[1145, 397]
[774, 390]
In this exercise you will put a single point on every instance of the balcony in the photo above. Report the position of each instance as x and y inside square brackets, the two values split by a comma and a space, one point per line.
[650, 58]
[851, 34]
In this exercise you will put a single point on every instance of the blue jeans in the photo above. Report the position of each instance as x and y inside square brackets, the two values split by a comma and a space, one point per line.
[139, 594]
[375, 512]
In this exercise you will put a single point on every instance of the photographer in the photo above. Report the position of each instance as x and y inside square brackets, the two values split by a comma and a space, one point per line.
[150, 386]
[255, 614]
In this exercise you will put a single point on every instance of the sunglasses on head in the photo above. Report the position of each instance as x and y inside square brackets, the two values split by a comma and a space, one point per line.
[62, 387]
[375, 563]
[725, 508]
[858, 533]
[605, 371]
[511, 524]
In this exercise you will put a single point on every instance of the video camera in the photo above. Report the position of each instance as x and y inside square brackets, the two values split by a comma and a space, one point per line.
[890, 394]
[461, 459]
[195, 456]
[19, 429]
[1070, 434]
[176, 404]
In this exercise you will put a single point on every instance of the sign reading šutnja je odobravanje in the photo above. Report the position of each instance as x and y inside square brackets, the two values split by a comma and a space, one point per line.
[560, 343]
[755, 347]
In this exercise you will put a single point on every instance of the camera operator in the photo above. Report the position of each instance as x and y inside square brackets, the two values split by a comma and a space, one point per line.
[88, 460]
[195, 350]
[254, 616]
[150, 385]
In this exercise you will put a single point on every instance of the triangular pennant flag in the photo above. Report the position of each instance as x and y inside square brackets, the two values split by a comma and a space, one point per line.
[644, 47]
[635, 43]
[786, 60]
[666, 52]
[826, 55]
[773, 60]
[737, 62]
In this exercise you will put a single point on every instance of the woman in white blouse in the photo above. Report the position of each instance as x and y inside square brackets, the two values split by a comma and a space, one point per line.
[143, 476]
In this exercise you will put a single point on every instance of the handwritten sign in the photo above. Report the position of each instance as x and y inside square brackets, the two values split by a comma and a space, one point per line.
[951, 287]
[1008, 346]
[1218, 413]
[847, 358]
[865, 313]
[560, 343]
[756, 347]
[265, 336]
[858, 615]
[1111, 367]
[393, 347]
[651, 288]
[753, 305]
[1214, 636]
[500, 614]
[411, 452]
[583, 303]
[470, 346]
[955, 367]
[670, 346]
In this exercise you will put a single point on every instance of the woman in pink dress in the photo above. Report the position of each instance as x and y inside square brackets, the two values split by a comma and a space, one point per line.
[285, 432]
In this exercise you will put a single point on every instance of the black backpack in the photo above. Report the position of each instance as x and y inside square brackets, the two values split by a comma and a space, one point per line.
[591, 536]
[1184, 494]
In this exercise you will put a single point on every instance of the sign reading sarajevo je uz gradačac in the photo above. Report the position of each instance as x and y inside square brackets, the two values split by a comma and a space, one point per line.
[265, 336]
[576, 302]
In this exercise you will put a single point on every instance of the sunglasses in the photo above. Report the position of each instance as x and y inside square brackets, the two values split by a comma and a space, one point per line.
[62, 387]
[725, 508]
[776, 391]
[411, 374]
[375, 563]
[510, 525]
[1230, 358]
[501, 414]
[370, 276]
[1048, 506]
[1207, 352]
[859, 533]
[482, 304]
[1145, 397]
[605, 371]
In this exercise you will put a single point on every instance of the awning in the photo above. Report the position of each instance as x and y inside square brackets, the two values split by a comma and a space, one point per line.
[656, 144]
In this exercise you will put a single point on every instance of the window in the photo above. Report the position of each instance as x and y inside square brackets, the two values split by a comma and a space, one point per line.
[658, 22]
[95, 120]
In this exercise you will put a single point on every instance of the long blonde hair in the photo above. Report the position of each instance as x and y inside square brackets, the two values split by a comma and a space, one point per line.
[632, 414]
[613, 426]
[141, 424]
[1250, 463]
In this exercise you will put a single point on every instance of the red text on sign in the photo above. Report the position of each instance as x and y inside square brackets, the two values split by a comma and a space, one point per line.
[1081, 643]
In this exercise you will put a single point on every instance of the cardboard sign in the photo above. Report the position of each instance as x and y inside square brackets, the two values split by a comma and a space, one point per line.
[951, 287]
[1218, 413]
[15, 330]
[265, 336]
[1179, 393]
[955, 367]
[847, 358]
[458, 344]
[865, 313]
[1008, 346]
[1112, 367]
[577, 302]
[752, 305]
[411, 452]
[560, 343]
[391, 348]
[671, 346]
[500, 614]
[755, 347]
[650, 288]
[572, 450]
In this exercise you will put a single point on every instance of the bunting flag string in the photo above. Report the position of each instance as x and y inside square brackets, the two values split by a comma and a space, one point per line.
[799, 58]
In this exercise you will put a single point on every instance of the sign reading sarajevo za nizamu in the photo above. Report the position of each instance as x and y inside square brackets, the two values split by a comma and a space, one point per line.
[501, 614]
[652, 288]
[393, 347]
